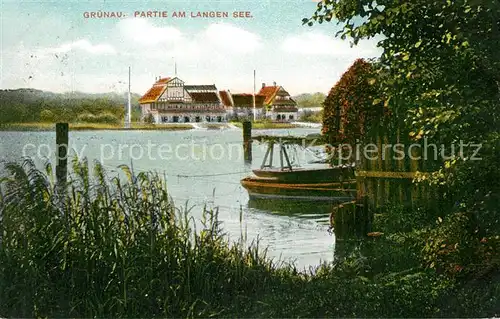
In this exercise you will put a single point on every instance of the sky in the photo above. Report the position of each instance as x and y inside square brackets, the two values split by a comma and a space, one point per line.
[51, 45]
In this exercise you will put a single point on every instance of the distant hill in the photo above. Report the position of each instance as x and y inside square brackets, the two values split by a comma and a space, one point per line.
[310, 100]
[34, 95]
[32, 105]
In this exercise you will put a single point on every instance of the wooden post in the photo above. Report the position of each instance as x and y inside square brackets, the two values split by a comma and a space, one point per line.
[62, 140]
[247, 141]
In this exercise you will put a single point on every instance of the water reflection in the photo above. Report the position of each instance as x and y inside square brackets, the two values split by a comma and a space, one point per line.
[292, 230]
[305, 209]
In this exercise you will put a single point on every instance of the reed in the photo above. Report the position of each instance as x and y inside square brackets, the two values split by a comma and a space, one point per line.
[113, 247]
[118, 247]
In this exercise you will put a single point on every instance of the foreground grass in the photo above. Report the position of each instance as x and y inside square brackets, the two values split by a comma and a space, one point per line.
[92, 126]
[109, 247]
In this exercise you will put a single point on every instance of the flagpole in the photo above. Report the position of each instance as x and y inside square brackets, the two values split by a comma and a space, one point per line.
[129, 105]
[253, 100]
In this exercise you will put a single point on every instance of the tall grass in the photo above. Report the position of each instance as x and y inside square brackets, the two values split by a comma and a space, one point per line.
[108, 247]
[119, 247]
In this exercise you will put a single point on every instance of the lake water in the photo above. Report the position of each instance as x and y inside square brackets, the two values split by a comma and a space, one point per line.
[202, 167]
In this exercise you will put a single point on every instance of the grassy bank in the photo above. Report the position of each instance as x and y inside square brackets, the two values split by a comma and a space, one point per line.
[267, 125]
[121, 248]
[91, 127]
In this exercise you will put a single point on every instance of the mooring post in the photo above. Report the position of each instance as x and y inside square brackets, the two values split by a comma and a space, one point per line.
[62, 140]
[247, 141]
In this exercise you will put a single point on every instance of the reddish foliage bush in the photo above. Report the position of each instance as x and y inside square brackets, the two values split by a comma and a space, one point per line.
[350, 106]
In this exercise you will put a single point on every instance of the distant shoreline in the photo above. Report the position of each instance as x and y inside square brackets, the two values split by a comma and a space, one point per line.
[47, 127]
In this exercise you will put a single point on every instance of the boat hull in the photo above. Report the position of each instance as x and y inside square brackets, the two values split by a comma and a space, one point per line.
[272, 188]
[303, 176]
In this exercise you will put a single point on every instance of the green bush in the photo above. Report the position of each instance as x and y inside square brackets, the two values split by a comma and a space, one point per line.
[455, 247]
[106, 118]
[47, 116]
[149, 119]
[118, 247]
[310, 116]
[86, 118]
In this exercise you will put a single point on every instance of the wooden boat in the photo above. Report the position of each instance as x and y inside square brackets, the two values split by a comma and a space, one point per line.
[288, 182]
[306, 175]
[271, 188]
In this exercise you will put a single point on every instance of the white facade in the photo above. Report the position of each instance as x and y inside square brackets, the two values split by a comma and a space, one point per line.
[171, 101]
[283, 116]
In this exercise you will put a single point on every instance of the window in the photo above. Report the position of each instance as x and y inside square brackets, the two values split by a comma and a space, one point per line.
[291, 117]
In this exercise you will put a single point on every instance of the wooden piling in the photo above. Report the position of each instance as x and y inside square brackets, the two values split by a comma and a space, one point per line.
[247, 141]
[62, 141]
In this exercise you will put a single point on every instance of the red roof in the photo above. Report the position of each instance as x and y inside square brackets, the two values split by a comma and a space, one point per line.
[269, 92]
[226, 99]
[153, 94]
[210, 97]
[156, 91]
[246, 100]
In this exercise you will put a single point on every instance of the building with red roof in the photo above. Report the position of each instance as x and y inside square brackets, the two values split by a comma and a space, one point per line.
[279, 104]
[169, 100]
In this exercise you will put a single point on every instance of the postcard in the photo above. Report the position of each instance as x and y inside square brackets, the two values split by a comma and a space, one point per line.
[264, 158]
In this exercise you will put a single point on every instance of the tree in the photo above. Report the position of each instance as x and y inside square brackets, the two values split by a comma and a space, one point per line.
[349, 107]
[308, 100]
[443, 80]
[47, 116]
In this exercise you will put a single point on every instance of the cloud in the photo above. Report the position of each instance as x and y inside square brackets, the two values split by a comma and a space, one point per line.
[216, 38]
[315, 43]
[143, 32]
[83, 45]
[234, 39]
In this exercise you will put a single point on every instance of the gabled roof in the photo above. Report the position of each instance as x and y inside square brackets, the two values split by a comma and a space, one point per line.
[269, 92]
[200, 87]
[246, 100]
[163, 80]
[153, 94]
[156, 91]
[284, 102]
[210, 97]
[226, 98]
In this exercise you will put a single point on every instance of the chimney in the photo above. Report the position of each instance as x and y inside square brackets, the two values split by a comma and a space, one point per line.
[263, 84]
[274, 83]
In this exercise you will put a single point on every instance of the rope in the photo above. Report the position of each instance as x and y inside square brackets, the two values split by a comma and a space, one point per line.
[211, 175]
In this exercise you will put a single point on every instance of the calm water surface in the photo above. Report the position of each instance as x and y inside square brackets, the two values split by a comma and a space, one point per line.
[206, 171]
